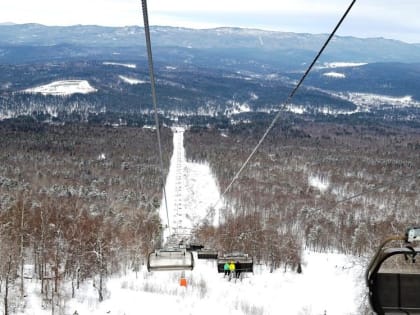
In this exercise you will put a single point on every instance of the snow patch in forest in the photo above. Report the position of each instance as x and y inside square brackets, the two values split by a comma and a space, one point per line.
[127, 65]
[364, 100]
[333, 65]
[320, 182]
[295, 109]
[6, 114]
[335, 75]
[131, 80]
[253, 96]
[149, 127]
[236, 108]
[63, 88]
[101, 157]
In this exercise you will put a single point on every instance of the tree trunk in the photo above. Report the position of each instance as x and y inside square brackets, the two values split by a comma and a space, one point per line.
[22, 261]
[78, 278]
[101, 268]
[6, 289]
[72, 288]
[101, 297]
[36, 260]
[41, 270]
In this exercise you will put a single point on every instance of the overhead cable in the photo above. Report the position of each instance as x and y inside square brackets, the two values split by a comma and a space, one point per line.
[288, 100]
[154, 100]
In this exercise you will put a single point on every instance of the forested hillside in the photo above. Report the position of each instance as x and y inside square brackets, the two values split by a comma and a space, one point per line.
[289, 197]
[77, 202]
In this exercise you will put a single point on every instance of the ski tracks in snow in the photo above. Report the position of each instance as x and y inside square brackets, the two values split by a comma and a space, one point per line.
[191, 189]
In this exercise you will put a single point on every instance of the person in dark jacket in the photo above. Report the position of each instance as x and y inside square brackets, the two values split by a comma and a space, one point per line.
[238, 269]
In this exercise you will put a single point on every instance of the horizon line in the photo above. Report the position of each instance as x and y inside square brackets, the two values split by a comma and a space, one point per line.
[8, 23]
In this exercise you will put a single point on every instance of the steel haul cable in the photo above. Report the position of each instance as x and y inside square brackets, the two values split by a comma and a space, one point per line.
[154, 100]
[270, 127]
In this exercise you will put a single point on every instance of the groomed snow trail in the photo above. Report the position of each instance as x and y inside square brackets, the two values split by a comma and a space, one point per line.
[191, 190]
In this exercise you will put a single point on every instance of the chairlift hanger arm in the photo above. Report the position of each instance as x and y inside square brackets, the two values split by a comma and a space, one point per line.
[411, 235]
[378, 256]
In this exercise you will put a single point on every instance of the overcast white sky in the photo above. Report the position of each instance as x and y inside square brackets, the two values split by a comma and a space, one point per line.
[398, 19]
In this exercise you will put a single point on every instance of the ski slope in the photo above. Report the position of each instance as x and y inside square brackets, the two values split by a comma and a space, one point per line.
[191, 190]
[330, 283]
[63, 88]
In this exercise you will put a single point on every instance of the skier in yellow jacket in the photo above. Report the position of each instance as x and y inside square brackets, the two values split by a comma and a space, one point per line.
[232, 269]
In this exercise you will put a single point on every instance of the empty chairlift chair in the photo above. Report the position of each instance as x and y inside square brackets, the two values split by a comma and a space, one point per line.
[207, 253]
[393, 278]
[170, 260]
[194, 247]
[202, 253]
[246, 262]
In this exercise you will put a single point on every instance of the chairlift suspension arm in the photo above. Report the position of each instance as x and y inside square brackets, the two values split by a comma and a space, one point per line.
[374, 259]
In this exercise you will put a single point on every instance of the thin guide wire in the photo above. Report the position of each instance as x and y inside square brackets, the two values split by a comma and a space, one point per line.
[288, 100]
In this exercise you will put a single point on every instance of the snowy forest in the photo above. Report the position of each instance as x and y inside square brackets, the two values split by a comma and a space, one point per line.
[301, 189]
[77, 202]
[80, 202]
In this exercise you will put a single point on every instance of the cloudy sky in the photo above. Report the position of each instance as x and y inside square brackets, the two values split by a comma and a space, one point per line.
[396, 19]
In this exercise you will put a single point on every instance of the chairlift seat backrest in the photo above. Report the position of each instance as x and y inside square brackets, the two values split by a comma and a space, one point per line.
[395, 291]
[246, 262]
[195, 247]
[207, 254]
[170, 259]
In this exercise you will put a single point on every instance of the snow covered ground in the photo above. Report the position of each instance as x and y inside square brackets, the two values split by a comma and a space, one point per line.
[319, 182]
[191, 190]
[330, 283]
[327, 286]
[63, 88]
[127, 65]
[131, 80]
[333, 65]
[336, 75]
[368, 100]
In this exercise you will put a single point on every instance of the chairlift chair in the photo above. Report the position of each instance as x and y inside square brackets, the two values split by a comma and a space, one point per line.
[246, 262]
[194, 247]
[170, 260]
[207, 253]
[393, 277]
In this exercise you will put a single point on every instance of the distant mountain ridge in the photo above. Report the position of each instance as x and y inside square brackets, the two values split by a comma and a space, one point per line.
[214, 73]
[225, 42]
